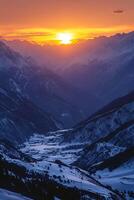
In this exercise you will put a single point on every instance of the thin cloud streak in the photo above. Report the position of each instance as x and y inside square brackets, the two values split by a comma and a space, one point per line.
[42, 35]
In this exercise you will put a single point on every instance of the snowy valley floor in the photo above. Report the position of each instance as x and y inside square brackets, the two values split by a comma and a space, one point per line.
[50, 148]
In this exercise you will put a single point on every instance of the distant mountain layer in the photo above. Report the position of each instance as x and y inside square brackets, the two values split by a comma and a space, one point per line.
[106, 72]
[101, 69]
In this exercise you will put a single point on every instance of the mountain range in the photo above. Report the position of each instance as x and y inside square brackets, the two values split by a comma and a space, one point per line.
[100, 69]
[67, 129]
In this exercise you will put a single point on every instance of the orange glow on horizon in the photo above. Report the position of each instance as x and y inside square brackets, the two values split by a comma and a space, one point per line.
[40, 21]
[61, 37]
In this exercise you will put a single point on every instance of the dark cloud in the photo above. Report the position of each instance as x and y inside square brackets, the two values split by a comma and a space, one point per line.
[119, 11]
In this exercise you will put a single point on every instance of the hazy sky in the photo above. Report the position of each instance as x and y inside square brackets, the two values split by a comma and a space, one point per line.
[45, 15]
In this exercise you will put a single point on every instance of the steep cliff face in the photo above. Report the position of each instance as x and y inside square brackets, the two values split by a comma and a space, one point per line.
[20, 118]
[117, 125]
[41, 86]
[110, 158]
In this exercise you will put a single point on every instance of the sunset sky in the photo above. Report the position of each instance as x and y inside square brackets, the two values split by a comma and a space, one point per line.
[42, 20]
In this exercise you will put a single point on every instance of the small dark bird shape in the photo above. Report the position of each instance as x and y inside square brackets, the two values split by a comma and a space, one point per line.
[118, 11]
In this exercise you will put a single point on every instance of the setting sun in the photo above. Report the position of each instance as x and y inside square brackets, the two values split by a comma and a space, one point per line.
[65, 38]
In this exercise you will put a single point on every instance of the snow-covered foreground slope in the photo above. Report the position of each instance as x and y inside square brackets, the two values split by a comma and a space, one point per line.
[7, 195]
[72, 177]
[62, 180]
[117, 174]
[121, 179]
